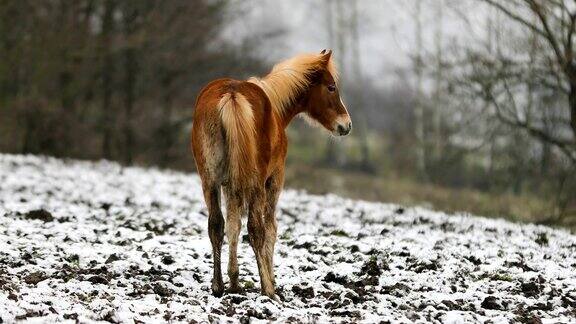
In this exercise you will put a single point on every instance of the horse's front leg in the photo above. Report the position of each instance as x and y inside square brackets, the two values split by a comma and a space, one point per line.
[216, 234]
[259, 233]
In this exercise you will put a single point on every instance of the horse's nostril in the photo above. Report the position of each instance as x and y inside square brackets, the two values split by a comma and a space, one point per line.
[343, 130]
[349, 126]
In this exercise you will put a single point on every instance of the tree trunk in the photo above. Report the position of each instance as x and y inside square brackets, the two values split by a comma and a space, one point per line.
[334, 17]
[130, 78]
[419, 126]
[437, 112]
[362, 117]
[572, 103]
[107, 70]
[166, 138]
[129, 98]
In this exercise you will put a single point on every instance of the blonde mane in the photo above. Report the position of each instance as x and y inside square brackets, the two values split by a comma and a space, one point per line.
[289, 78]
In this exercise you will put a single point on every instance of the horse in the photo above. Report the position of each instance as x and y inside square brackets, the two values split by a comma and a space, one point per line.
[239, 145]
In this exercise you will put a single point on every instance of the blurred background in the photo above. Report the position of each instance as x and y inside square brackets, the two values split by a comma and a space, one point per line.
[458, 105]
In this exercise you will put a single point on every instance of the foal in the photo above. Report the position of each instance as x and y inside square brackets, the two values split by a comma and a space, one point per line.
[239, 144]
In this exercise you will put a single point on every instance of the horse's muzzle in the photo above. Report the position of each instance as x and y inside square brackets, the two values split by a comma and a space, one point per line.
[344, 130]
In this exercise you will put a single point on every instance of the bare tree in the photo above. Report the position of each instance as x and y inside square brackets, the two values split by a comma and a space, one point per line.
[552, 24]
[517, 81]
[110, 79]
[343, 23]
[437, 99]
[131, 14]
[337, 37]
[419, 126]
[107, 77]
[359, 80]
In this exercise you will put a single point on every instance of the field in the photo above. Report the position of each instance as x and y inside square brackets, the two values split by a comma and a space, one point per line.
[94, 241]
[526, 208]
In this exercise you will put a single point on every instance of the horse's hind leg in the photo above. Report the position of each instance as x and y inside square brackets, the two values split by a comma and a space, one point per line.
[234, 210]
[274, 186]
[258, 232]
[216, 233]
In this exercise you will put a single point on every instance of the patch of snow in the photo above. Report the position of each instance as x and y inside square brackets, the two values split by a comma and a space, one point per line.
[94, 241]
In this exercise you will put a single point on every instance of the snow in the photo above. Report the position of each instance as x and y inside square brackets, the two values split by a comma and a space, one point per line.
[130, 245]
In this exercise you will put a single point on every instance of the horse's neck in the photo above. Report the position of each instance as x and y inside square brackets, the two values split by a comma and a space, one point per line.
[273, 88]
[297, 107]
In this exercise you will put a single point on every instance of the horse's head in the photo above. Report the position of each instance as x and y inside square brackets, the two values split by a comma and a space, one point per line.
[324, 103]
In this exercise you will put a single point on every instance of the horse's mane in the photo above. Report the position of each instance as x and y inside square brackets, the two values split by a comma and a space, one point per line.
[290, 77]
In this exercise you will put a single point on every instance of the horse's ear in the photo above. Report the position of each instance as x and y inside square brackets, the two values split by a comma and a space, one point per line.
[326, 56]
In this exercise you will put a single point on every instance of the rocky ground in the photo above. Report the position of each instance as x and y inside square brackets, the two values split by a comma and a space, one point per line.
[93, 242]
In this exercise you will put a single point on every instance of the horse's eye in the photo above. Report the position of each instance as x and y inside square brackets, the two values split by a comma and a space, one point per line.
[331, 88]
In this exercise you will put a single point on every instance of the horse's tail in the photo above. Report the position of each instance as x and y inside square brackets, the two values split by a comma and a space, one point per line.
[238, 121]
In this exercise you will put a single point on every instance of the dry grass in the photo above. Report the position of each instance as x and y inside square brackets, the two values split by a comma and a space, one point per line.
[411, 193]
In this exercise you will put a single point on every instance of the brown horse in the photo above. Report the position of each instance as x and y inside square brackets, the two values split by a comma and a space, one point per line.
[239, 144]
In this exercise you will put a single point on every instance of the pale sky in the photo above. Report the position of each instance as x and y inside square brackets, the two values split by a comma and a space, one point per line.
[387, 29]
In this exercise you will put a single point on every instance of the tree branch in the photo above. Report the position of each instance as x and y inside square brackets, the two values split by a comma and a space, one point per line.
[512, 15]
[549, 35]
[567, 147]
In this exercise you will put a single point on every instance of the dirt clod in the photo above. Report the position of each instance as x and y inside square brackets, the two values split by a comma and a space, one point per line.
[98, 280]
[542, 239]
[306, 292]
[372, 268]
[34, 278]
[39, 214]
[112, 258]
[398, 289]
[423, 266]
[168, 260]
[492, 302]
[530, 289]
[162, 290]
[332, 277]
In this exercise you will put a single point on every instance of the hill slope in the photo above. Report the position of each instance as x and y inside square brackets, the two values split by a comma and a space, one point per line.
[99, 242]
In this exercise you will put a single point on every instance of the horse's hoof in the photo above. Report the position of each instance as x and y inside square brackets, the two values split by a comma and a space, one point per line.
[272, 295]
[276, 299]
[235, 290]
[217, 290]
[217, 293]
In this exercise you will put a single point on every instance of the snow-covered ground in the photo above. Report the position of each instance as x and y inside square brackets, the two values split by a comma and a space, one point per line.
[98, 242]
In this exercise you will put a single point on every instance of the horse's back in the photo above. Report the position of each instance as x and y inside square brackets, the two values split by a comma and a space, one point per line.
[213, 92]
